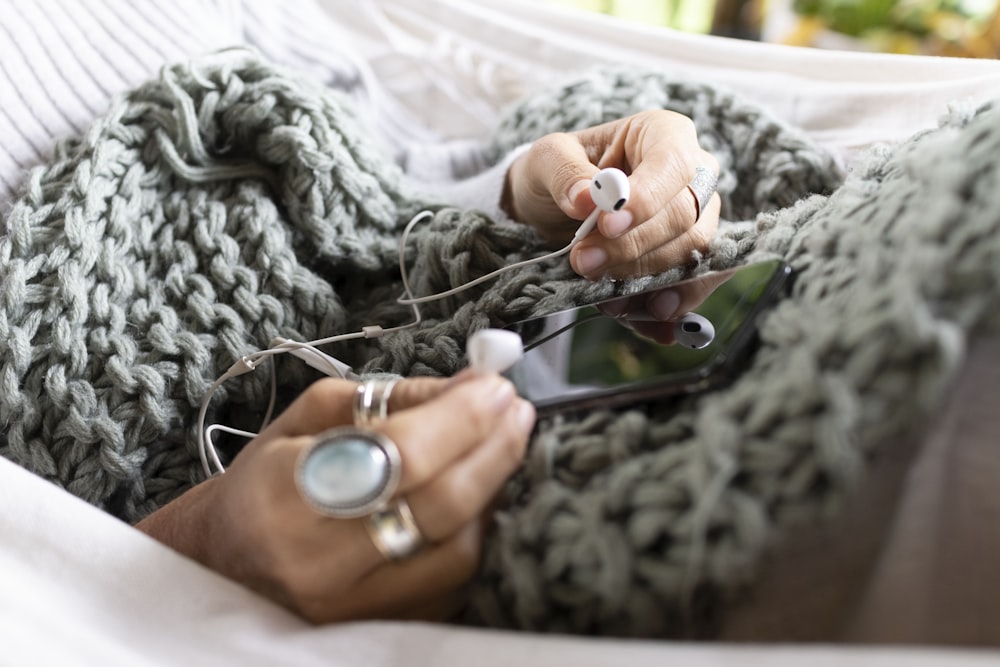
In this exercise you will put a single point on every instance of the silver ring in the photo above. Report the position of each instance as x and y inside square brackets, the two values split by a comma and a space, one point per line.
[371, 401]
[702, 186]
[394, 531]
[348, 472]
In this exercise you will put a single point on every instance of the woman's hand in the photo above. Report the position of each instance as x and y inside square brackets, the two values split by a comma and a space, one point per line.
[459, 441]
[659, 227]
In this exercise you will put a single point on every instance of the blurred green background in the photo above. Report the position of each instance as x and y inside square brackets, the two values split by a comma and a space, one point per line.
[966, 28]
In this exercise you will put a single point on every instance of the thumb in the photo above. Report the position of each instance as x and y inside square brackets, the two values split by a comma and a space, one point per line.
[565, 169]
[569, 173]
[579, 202]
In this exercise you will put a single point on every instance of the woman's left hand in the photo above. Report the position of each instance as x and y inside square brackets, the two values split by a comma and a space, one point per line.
[458, 440]
[548, 188]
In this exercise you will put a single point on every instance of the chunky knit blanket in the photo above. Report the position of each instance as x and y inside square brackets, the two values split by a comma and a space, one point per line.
[227, 202]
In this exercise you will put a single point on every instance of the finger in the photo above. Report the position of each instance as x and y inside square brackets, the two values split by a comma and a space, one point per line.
[324, 404]
[650, 248]
[664, 172]
[433, 435]
[463, 490]
[392, 589]
[647, 222]
[412, 392]
[329, 402]
[658, 188]
[678, 251]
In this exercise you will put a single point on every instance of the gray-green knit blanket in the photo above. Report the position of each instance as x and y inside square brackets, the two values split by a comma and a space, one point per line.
[228, 202]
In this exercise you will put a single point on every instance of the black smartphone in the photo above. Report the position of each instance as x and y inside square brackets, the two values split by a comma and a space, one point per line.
[610, 353]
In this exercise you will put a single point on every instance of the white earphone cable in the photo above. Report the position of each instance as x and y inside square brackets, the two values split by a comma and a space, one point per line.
[410, 300]
[206, 447]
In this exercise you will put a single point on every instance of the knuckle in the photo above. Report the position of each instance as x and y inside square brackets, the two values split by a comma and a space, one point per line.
[414, 391]
[699, 239]
[480, 419]
[684, 123]
[565, 173]
[631, 246]
[709, 160]
[550, 145]
[668, 116]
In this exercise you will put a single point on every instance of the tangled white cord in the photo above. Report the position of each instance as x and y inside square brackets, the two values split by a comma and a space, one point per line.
[210, 461]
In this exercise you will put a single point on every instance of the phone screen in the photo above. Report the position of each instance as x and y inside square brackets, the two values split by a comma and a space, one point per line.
[585, 357]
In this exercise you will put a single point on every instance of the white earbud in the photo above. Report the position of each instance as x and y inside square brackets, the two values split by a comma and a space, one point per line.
[694, 331]
[610, 191]
[494, 350]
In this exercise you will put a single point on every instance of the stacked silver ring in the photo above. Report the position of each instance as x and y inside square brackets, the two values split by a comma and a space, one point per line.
[371, 401]
[353, 471]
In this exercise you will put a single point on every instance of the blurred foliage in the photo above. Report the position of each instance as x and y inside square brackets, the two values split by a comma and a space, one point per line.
[687, 15]
[939, 27]
[968, 28]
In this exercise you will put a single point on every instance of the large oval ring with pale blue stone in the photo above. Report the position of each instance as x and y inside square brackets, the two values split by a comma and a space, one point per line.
[348, 472]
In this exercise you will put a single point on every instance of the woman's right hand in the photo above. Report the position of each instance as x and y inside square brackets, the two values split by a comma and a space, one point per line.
[459, 441]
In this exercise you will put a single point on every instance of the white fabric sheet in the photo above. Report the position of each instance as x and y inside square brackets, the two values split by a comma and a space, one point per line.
[78, 587]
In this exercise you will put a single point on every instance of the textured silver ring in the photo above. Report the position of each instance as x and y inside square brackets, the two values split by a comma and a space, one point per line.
[702, 186]
[371, 401]
[394, 531]
[348, 472]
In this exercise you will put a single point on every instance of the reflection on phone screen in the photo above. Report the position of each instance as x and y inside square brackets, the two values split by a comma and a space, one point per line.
[574, 357]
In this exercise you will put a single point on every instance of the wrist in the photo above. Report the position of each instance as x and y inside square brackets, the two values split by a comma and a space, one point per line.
[185, 524]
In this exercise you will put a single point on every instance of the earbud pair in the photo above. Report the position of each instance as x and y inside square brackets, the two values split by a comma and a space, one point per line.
[610, 191]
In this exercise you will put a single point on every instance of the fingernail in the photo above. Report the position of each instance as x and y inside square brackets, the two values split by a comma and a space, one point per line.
[589, 260]
[526, 416]
[576, 190]
[664, 305]
[617, 223]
